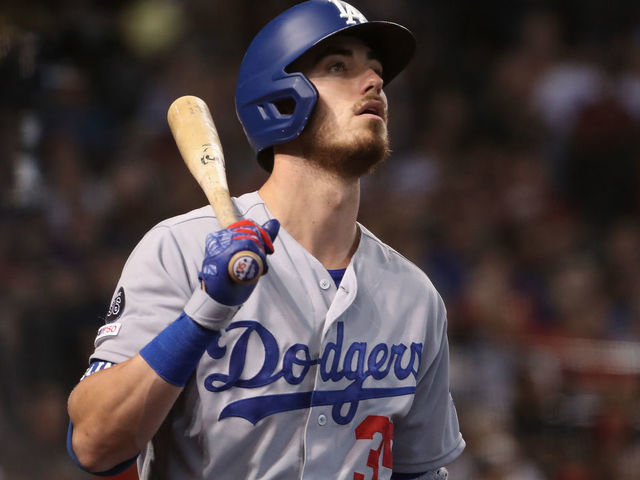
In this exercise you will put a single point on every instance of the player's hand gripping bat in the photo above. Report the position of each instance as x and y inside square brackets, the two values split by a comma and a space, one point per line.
[197, 139]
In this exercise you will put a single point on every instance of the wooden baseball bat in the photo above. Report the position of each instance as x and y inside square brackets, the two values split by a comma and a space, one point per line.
[199, 144]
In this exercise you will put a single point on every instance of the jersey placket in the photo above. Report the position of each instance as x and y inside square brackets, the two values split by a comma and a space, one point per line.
[315, 294]
[320, 426]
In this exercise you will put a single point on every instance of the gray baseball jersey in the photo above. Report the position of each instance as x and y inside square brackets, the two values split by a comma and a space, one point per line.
[309, 380]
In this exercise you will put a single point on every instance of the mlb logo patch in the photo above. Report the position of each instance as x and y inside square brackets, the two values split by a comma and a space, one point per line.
[108, 330]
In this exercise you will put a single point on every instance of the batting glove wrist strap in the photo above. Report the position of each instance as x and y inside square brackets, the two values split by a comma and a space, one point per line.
[207, 312]
[176, 351]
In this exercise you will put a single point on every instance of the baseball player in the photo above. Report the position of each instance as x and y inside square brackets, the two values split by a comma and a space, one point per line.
[334, 365]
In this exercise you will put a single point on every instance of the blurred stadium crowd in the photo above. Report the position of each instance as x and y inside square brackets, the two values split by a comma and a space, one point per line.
[514, 184]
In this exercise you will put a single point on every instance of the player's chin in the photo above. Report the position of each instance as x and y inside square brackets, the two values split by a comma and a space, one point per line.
[371, 151]
[374, 139]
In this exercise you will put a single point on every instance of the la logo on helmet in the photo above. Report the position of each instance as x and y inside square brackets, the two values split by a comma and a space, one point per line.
[349, 12]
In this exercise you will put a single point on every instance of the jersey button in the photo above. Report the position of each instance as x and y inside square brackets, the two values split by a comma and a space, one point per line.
[324, 284]
[322, 420]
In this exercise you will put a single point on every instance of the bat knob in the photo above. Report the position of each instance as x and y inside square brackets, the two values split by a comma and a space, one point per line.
[245, 267]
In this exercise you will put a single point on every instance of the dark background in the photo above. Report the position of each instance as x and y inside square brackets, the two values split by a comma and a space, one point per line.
[513, 184]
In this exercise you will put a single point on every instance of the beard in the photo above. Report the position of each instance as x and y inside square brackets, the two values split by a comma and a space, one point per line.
[348, 154]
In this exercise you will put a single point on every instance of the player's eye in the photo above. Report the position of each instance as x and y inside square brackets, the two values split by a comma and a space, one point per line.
[337, 66]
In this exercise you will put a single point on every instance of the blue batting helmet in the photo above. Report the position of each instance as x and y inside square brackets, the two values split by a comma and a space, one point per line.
[264, 82]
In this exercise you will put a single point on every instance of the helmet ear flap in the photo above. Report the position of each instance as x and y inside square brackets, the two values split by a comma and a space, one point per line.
[279, 110]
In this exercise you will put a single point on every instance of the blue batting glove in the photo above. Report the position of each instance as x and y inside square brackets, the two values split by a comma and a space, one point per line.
[222, 245]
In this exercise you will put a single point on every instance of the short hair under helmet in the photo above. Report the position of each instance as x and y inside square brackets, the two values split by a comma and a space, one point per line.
[263, 80]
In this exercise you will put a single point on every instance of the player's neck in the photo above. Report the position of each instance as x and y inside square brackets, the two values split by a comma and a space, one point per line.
[317, 208]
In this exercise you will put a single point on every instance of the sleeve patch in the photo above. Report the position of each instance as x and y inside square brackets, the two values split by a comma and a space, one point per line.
[108, 330]
[117, 307]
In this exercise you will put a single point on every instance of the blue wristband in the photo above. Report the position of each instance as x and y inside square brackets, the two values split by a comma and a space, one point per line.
[174, 354]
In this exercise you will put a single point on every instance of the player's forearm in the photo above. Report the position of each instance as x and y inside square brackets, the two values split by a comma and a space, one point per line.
[116, 411]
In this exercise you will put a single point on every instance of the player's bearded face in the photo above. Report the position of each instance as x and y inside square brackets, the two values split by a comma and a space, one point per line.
[350, 150]
[347, 131]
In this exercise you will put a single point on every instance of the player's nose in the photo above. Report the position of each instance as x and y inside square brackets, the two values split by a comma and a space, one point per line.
[372, 82]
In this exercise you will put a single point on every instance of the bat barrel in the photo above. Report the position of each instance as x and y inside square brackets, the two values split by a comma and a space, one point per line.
[197, 139]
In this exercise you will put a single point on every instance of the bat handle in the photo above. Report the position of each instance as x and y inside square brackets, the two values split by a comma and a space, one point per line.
[245, 267]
